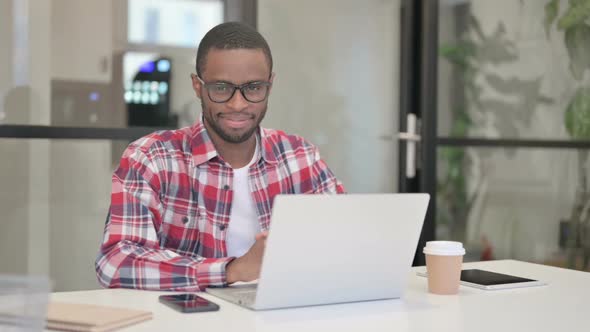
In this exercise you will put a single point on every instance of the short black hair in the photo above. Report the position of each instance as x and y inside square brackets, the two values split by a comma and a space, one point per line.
[231, 36]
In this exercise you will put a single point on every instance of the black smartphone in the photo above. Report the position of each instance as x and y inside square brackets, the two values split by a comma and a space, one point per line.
[188, 302]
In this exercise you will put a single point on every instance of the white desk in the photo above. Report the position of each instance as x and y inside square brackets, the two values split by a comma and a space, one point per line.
[563, 305]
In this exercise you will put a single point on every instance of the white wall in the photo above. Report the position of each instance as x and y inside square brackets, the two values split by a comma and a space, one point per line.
[337, 83]
[82, 40]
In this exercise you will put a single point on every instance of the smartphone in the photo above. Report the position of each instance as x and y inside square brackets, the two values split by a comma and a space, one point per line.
[188, 302]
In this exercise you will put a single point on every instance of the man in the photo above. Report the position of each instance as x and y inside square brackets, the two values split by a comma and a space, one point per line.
[190, 207]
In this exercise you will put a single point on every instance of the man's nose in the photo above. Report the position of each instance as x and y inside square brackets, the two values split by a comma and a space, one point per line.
[237, 101]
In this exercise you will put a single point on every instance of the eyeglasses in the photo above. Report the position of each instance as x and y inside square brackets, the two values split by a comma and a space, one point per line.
[222, 92]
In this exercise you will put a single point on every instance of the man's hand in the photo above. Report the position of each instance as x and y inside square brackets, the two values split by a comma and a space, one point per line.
[247, 267]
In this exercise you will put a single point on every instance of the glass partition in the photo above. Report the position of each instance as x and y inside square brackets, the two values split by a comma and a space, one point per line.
[525, 204]
[514, 72]
[54, 203]
[513, 69]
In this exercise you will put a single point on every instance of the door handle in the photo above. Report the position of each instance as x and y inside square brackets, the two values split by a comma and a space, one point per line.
[412, 139]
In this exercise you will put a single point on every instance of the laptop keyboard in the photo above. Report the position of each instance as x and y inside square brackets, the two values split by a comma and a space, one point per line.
[246, 297]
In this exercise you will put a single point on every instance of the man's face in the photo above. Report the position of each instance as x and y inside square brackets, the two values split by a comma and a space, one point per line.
[236, 120]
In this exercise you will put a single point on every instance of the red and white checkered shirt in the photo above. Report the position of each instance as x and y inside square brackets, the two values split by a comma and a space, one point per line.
[171, 202]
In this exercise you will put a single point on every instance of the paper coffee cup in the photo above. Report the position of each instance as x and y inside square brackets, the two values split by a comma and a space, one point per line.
[443, 266]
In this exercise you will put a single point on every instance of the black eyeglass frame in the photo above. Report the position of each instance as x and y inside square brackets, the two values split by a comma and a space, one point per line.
[236, 87]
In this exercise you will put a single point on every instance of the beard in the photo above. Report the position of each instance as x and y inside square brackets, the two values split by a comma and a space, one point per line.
[213, 123]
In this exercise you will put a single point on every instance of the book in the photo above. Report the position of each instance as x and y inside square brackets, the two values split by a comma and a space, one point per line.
[92, 318]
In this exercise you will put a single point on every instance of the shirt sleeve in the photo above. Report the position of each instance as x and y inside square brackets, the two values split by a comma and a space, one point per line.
[325, 182]
[130, 255]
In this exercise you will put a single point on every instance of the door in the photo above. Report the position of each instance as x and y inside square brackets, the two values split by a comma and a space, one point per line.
[500, 97]
[417, 116]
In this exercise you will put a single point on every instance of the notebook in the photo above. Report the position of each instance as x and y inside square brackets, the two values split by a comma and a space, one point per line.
[92, 318]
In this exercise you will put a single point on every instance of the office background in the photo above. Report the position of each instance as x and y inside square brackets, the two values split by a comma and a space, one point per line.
[509, 173]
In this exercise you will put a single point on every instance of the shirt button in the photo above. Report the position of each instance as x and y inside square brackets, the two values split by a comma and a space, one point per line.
[226, 187]
[185, 219]
[221, 227]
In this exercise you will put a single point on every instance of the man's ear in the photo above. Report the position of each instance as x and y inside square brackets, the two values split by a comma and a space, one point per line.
[197, 85]
[272, 77]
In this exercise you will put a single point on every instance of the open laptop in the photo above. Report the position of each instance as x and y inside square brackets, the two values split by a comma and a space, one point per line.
[324, 249]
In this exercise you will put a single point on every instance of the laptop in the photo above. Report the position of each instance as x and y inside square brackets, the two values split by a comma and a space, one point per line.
[327, 249]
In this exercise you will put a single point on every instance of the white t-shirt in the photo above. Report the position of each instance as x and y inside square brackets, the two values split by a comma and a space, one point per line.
[243, 219]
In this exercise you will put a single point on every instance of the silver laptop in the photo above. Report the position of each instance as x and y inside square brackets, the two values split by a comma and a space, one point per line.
[324, 249]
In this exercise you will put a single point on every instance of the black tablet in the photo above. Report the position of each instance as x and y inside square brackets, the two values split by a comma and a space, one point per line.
[488, 280]
[492, 280]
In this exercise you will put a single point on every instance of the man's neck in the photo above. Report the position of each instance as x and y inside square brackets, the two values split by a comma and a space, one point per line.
[237, 155]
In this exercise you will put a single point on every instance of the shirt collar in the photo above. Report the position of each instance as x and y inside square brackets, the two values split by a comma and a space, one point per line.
[203, 150]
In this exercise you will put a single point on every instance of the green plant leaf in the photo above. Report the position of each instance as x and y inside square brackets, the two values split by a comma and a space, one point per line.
[576, 14]
[458, 54]
[460, 125]
[576, 2]
[551, 11]
[577, 114]
[577, 41]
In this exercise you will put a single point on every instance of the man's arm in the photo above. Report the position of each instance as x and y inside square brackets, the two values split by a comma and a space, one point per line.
[130, 255]
[325, 182]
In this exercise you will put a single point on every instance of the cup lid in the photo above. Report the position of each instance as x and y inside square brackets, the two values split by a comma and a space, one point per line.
[444, 248]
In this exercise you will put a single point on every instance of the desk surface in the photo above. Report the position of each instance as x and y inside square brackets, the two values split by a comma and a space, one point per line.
[562, 305]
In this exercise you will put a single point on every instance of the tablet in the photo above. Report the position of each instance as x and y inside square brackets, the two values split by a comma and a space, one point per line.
[492, 280]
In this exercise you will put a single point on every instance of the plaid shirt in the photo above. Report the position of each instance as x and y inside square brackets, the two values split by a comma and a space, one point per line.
[171, 202]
